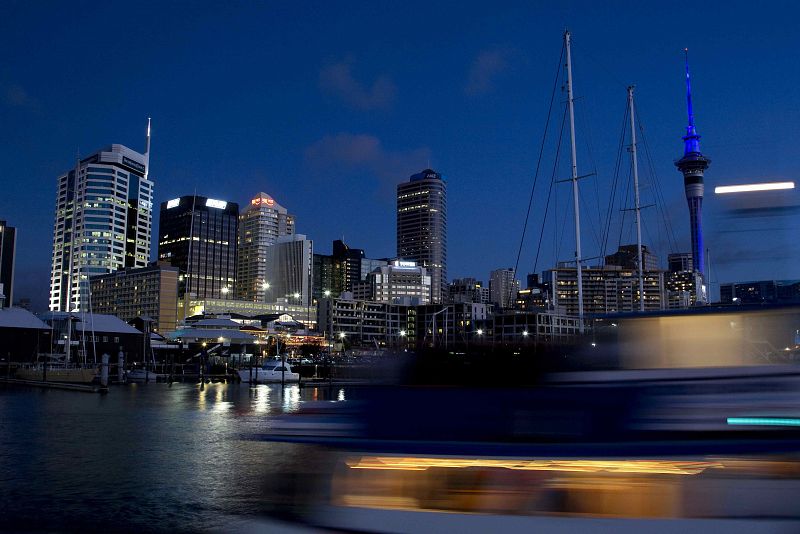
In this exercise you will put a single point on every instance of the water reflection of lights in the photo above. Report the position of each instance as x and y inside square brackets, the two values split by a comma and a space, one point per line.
[259, 396]
[668, 467]
[340, 397]
[291, 398]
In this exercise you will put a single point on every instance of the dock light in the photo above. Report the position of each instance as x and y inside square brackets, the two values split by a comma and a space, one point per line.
[525, 333]
[224, 290]
[220, 339]
[265, 285]
[402, 333]
[480, 331]
[341, 335]
[327, 292]
[594, 344]
[748, 188]
[296, 295]
[204, 343]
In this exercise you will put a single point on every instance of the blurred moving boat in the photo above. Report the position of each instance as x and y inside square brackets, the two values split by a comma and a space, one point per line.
[270, 372]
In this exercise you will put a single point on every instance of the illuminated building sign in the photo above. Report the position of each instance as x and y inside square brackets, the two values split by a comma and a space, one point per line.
[174, 203]
[259, 201]
[133, 164]
[404, 264]
[219, 204]
[147, 205]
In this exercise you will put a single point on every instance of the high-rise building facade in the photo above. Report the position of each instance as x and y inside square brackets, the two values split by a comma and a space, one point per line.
[503, 288]
[8, 241]
[679, 261]
[627, 257]
[401, 282]
[261, 223]
[467, 290]
[422, 227]
[341, 271]
[289, 269]
[129, 293]
[608, 289]
[103, 222]
[198, 236]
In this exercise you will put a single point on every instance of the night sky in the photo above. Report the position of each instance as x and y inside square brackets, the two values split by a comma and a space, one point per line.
[326, 106]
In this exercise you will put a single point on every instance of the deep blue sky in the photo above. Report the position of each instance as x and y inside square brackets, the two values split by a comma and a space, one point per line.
[327, 105]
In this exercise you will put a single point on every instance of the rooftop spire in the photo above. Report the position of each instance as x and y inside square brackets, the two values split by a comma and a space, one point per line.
[147, 152]
[691, 140]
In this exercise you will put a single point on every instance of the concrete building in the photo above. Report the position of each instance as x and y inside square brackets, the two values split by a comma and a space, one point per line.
[503, 288]
[261, 223]
[150, 291]
[8, 242]
[103, 222]
[609, 289]
[682, 283]
[679, 261]
[198, 235]
[342, 270]
[627, 258]
[289, 269]
[422, 227]
[401, 282]
[467, 290]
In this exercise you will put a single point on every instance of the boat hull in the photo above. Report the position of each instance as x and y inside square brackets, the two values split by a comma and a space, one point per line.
[260, 376]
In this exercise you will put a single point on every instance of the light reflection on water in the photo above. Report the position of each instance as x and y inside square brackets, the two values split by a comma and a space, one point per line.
[143, 457]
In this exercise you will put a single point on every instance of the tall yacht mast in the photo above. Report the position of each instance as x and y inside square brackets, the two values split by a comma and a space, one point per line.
[570, 102]
[637, 206]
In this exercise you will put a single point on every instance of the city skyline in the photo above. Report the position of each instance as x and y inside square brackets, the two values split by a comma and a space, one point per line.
[368, 122]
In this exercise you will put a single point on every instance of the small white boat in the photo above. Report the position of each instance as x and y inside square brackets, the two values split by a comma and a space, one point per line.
[141, 375]
[270, 372]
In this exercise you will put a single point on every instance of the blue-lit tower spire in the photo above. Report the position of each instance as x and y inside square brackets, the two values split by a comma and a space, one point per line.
[692, 165]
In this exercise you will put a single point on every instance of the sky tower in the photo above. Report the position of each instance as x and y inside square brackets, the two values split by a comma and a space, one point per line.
[692, 165]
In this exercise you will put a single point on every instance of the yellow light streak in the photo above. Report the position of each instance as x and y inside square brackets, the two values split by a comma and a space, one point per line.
[669, 467]
[747, 188]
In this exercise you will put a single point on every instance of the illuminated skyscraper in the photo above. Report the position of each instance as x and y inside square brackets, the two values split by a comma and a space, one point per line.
[261, 223]
[693, 165]
[103, 222]
[422, 227]
[198, 235]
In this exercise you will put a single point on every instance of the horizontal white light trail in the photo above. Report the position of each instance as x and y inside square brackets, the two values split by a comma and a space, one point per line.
[747, 188]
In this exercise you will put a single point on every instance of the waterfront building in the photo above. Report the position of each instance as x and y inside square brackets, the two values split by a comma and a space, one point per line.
[198, 235]
[103, 222]
[247, 308]
[422, 227]
[608, 289]
[503, 288]
[467, 290]
[289, 269]
[401, 281]
[22, 335]
[261, 223]
[693, 165]
[530, 328]
[682, 289]
[450, 325]
[8, 241]
[627, 258]
[92, 335]
[133, 292]
[760, 292]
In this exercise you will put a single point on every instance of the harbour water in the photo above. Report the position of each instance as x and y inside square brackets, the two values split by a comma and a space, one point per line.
[152, 457]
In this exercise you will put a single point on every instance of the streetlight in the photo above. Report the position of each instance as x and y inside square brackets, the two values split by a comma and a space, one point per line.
[225, 291]
[327, 293]
[480, 331]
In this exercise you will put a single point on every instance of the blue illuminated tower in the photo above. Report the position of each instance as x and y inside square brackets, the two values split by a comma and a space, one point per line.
[692, 165]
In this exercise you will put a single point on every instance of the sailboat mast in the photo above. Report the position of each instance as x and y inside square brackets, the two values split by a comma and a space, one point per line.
[571, 102]
[637, 206]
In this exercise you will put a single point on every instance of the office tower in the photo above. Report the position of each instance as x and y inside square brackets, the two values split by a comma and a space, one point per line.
[401, 282]
[422, 227]
[103, 222]
[198, 236]
[679, 261]
[8, 240]
[693, 165]
[627, 258]
[289, 269]
[261, 223]
[760, 292]
[133, 292]
[342, 270]
[503, 288]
